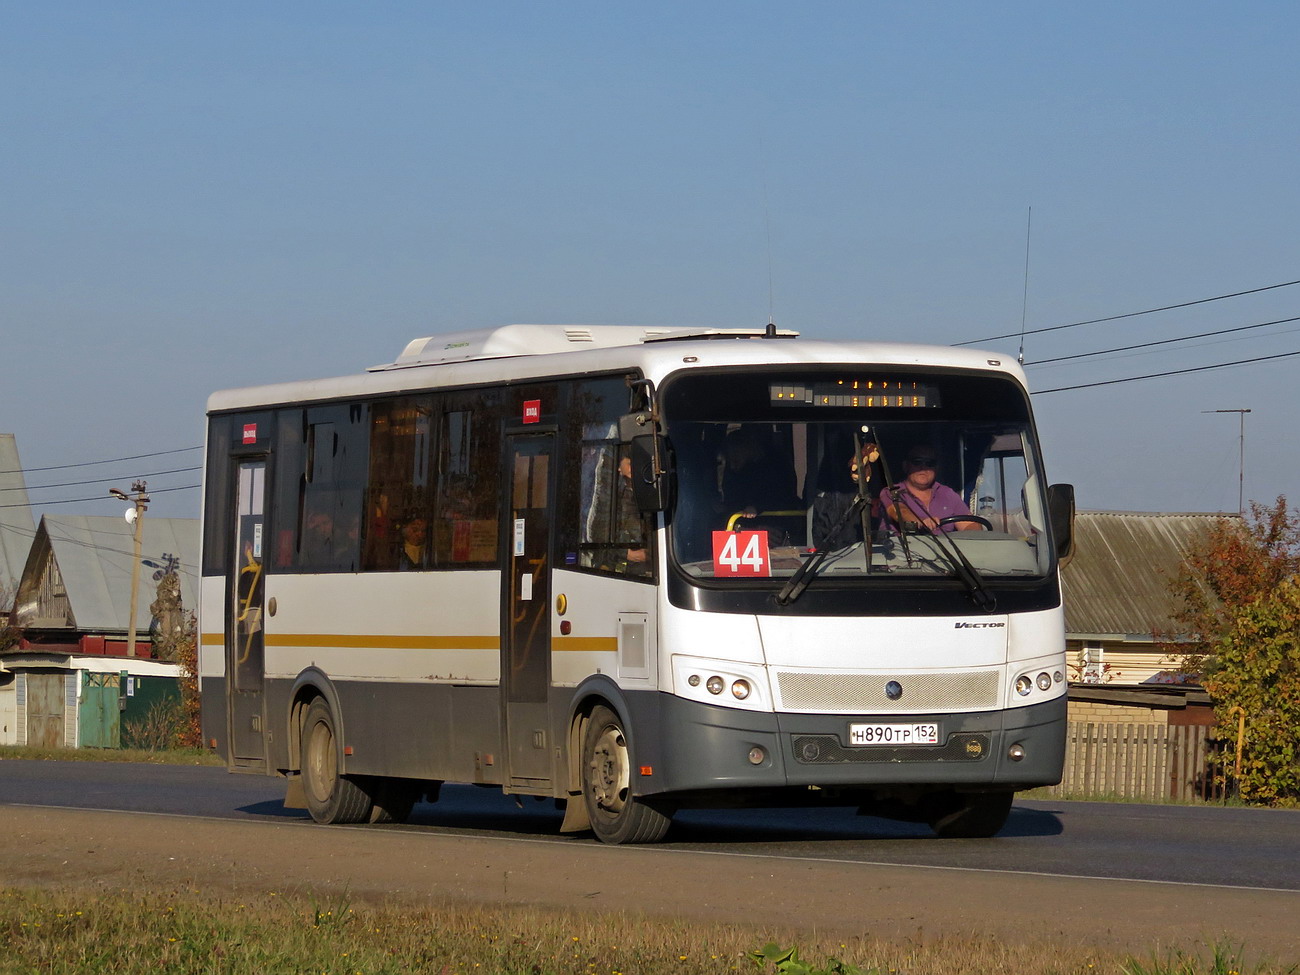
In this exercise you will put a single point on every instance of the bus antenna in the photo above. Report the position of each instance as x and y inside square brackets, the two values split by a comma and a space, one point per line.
[1024, 301]
[767, 227]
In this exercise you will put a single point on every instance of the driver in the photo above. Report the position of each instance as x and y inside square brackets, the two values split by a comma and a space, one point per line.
[920, 500]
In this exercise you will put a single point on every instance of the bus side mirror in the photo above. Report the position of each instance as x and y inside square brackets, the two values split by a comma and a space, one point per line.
[1060, 512]
[649, 477]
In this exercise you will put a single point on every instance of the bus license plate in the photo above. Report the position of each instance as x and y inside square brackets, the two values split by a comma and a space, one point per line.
[894, 734]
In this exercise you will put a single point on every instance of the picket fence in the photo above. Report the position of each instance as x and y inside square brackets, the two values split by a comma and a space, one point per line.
[1152, 762]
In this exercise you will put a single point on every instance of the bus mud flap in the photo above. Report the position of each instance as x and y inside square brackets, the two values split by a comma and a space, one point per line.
[295, 797]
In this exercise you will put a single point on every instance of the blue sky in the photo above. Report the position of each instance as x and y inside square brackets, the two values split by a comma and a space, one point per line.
[198, 196]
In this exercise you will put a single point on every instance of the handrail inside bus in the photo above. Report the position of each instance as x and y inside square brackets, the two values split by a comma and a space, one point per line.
[731, 522]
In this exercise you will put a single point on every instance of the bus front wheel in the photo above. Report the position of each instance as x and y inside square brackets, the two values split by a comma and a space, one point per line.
[969, 815]
[616, 815]
[331, 798]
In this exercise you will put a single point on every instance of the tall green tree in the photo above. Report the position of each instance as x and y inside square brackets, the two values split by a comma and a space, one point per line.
[1255, 667]
[1237, 600]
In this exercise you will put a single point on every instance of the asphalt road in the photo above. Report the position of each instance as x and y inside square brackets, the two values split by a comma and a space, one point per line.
[1202, 846]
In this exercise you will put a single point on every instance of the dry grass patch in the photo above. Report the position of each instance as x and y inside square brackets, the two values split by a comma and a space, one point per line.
[184, 931]
[160, 756]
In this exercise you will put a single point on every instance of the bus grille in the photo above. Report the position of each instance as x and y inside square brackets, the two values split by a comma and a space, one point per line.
[970, 690]
[827, 750]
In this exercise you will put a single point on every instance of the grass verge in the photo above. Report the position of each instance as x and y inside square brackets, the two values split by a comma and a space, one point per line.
[161, 756]
[184, 931]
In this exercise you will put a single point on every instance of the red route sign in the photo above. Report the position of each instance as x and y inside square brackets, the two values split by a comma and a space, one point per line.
[740, 554]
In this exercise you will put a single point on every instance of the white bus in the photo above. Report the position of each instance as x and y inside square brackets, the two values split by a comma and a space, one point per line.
[593, 564]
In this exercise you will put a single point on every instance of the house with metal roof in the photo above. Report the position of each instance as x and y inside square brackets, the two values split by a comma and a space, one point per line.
[1118, 608]
[16, 528]
[71, 680]
[75, 588]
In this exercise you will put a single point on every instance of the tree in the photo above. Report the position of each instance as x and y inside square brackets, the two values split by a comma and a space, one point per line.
[1237, 599]
[186, 646]
[1256, 667]
[174, 636]
[1237, 562]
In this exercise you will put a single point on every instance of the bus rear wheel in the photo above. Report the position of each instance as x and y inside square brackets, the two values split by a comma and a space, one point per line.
[393, 798]
[972, 815]
[616, 815]
[331, 798]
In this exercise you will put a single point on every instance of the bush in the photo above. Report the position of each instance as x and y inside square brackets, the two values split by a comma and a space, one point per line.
[1256, 667]
[163, 727]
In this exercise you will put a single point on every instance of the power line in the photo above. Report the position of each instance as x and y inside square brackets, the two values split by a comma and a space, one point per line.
[92, 463]
[1174, 372]
[186, 567]
[1131, 314]
[1147, 345]
[34, 504]
[99, 480]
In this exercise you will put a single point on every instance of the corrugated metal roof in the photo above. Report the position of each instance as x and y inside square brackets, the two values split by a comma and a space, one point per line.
[94, 554]
[1117, 584]
[16, 528]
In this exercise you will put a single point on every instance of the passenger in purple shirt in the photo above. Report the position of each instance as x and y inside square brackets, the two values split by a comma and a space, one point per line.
[919, 499]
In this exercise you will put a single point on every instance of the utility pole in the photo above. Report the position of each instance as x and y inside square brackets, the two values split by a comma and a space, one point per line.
[134, 516]
[1241, 458]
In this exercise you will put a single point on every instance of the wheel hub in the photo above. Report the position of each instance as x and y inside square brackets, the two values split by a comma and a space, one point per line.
[609, 775]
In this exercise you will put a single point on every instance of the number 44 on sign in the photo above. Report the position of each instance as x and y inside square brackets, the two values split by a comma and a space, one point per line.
[740, 554]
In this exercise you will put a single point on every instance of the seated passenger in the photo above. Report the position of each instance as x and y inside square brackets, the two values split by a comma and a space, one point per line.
[830, 530]
[755, 477]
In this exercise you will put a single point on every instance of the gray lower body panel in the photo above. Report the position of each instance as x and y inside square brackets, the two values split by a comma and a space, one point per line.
[696, 751]
[702, 747]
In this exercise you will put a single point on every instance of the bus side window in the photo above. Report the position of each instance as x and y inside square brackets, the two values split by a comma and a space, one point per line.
[320, 481]
[398, 500]
[468, 479]
[601, 527]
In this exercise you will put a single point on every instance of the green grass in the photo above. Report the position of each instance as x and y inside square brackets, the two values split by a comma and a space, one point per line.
[184, 931]
[167, 756]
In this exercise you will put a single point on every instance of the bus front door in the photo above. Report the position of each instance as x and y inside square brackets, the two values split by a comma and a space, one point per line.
[526, 597]
[244, 639]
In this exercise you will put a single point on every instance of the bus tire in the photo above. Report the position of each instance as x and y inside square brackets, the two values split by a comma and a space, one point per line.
[331, 798]
[617, 816]
[972, 815]
[393, 798]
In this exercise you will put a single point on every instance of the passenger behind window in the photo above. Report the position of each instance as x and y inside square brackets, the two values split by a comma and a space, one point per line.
[618, 522]
[381, 547]
[414, 551]
[756, 477]
[838, 489]
[317, 546]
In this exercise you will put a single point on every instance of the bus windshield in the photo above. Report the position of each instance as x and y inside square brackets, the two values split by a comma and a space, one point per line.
[871, 473]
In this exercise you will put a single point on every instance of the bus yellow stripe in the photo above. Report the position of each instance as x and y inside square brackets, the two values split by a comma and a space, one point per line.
[584, 644]
[560, 644]
[371, 641]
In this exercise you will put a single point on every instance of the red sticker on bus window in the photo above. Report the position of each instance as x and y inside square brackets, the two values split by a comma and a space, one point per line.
[250, 433]
[532, 411]
[737, 554]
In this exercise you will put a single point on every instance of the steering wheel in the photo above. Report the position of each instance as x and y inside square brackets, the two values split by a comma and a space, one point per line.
[953, 519]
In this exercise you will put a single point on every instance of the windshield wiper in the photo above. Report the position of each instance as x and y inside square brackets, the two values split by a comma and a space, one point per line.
[805, 574]
[965, 571]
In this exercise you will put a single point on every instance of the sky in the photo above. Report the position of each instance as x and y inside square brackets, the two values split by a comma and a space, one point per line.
[202, 196]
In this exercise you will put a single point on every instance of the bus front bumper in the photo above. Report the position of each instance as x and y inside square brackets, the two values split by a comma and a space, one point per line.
[702, 748]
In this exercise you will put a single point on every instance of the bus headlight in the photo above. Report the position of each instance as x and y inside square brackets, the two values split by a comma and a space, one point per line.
[1024, 684]
[720, 683]
[1044, 681]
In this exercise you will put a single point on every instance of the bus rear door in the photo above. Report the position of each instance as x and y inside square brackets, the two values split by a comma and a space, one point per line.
[526, 597]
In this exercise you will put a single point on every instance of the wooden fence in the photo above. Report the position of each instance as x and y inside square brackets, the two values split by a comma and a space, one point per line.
[1152, 762]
